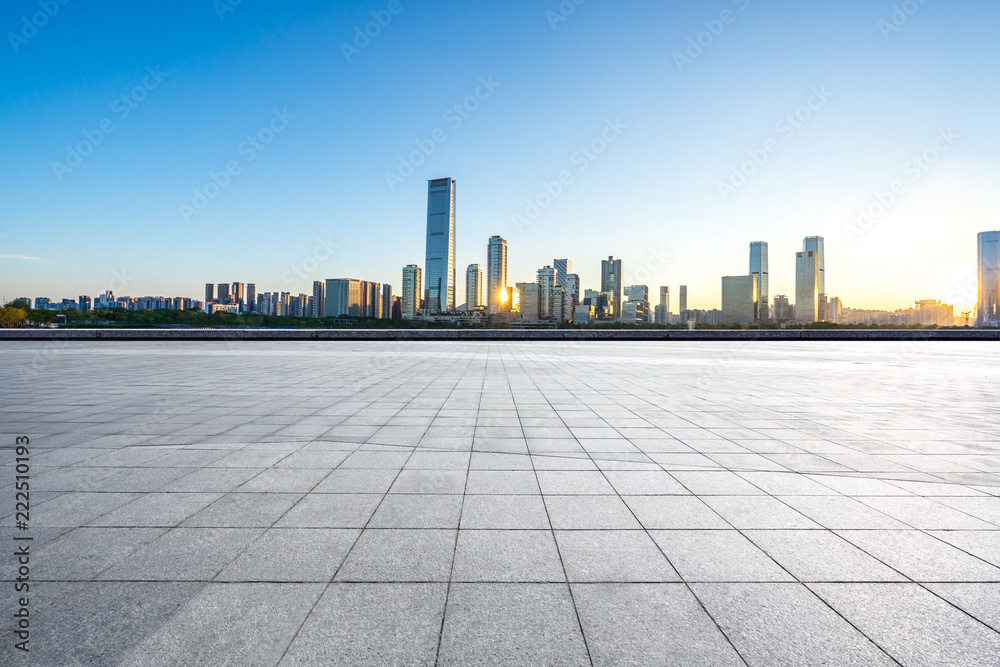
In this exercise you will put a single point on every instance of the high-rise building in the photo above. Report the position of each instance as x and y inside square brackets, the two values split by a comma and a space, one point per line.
[807, 286]
[528, 301]
[496, 274]
[548, 283]
[635, 310]
[473, 287]
[251, 296]
[564, 267]
[988, 255]
[816, 245]
[683, 295]
[412, 290]
[572, 295]
[371, 299]
[611, 283]
[209, 293]
[85, 302]
[663, 309]
[318, 300]
[439, 267]
[222, 293]
[740, 296]
[758, 267]
[239, 292]
[783, 311]
[344, 297]
[386, 301]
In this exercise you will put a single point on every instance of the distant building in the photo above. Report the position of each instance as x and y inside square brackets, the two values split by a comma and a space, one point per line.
[759, 268]
[209, 292]
[783, 310]
[473, 287]
[548, 283]
[564, 267]
[85, 302]
[663, 308]
[496, 274]
[412, 290]
[599, 301]
[318, 300]
[386, 301]
[439, 267]
[343, 297]
[528, 301]
[397, 308]
[572, 293]
[635, 309]
[683, 294]
[816, 245]
[740, 299]
[988, 256]
[222, 293]
[239, 294]
[583, 314]
[251, 297]
[611, 284]
[806, 287]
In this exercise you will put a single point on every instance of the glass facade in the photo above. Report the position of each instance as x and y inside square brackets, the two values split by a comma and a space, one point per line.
[758, 267]
[740, 299]
[496, 273]
[439, 265]
[988, 307]
[806, 287]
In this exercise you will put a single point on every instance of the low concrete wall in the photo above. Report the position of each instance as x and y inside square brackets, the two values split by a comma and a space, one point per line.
[491, 334]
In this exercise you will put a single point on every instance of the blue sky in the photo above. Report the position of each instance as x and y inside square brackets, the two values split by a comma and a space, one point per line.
[314, 203]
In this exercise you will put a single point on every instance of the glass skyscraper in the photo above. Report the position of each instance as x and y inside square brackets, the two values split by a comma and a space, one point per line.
[988, 308]
[611, 283]
[806, 286]
[439, 264]
[758, 267]
[496, 273]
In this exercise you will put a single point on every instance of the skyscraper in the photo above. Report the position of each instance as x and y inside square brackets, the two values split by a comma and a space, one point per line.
[412, 290]
[343, 297]
[806, 286]
[496, 273]
[223, 293]
[251, 296]
[564, 267]
[815, 244]
[572, 295]
[239, 292]
[663, 309]
[548, 283]
[611, 282]
[473, 287]
[209, 293]
[318, 300]
[386, 301]
[683, 298]
[439, 266]
[988, 306]
[528, 301]
[758, 267]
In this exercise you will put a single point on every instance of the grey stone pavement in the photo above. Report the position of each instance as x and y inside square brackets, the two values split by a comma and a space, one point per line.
[506, 503]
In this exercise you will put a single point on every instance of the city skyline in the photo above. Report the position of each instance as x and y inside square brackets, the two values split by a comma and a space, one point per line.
[155, 200]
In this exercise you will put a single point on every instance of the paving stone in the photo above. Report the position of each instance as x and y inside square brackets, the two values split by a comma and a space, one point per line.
[613, 555]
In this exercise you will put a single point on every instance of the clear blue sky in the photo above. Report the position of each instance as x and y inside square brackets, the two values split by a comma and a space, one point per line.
[115, 219]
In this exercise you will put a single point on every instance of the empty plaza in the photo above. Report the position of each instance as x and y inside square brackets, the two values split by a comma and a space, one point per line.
[514, 503]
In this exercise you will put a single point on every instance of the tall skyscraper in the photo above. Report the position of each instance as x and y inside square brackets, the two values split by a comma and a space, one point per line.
[988, 306]
[611, 282]
[251, 297]
[816, 244]
[239, 292]
[548, 283]
[683, 295]
[806, 286]
[319, 300]
[223, 293]
[412, 290]
[528, 301]
[473, 287]
[209, 293]
[758, 267]
[496, 273]
[740, 296]
[439, 267]
[386, 302]
[564, 267]
[663, 309]
[343, 297]
[572, 295]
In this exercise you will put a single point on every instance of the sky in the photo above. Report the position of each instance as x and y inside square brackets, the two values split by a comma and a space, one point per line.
[150, 148]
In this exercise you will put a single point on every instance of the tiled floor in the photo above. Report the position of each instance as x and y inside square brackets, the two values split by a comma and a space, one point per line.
[509, 504]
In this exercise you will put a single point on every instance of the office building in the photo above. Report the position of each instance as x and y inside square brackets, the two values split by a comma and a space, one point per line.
[611, 284]
[758, 267]
[683, 295]
[988, 259]
[439, 266]
[239, 293]
[662, 313]
[564, 268]
[740, 296]
[386, 301]
[806, 287]
[222, 293]
[251, 296]
[473, 287]
[344, 298]
[548, 283]
[85, 302]
[496, 274]
[783, 310]
[816, 245]
[371, 299]
[209, 292]
[318, 300]
[599, 302]
[635, 308]
[528, 301]
[412, 291]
